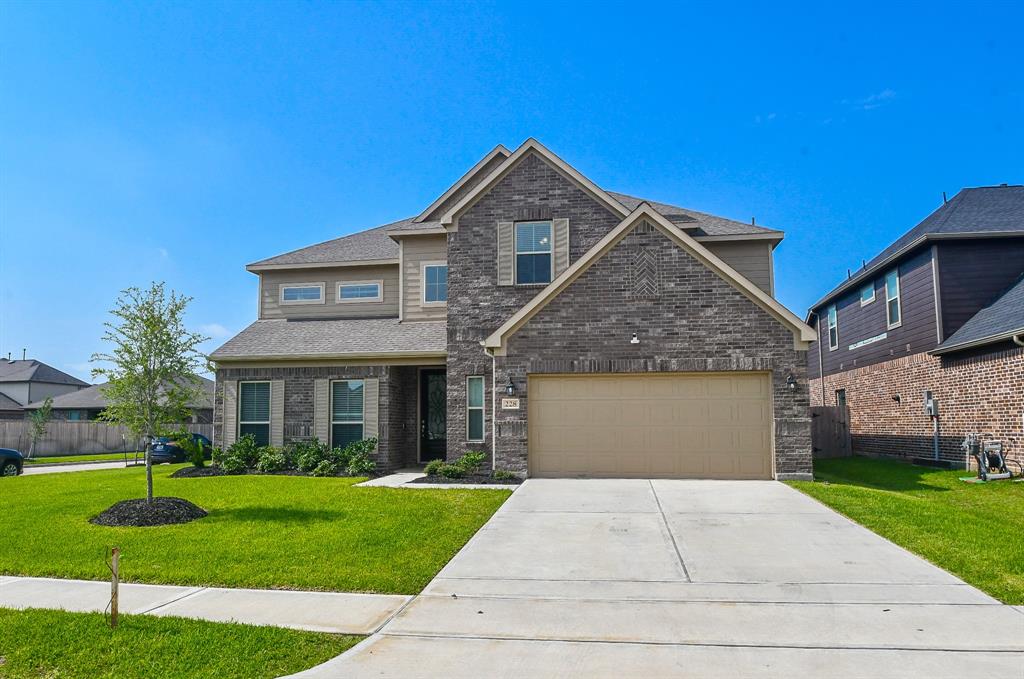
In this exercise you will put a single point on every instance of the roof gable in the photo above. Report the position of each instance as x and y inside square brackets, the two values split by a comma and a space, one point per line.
[31, 370]
[802, 333]
[477, 173]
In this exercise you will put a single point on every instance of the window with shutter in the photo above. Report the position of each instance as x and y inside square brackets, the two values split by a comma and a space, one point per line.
[534, 263]
[346, 412]
[254, 411]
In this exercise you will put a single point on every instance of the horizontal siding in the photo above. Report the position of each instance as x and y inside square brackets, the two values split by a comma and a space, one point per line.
[856, 323]
[972, 274]
[271, 281]
[753, 259]
[415, 251]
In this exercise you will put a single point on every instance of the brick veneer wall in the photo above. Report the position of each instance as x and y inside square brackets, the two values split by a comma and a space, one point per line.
[982, 394]
[396, 445]
[477, 305]
[695, 321]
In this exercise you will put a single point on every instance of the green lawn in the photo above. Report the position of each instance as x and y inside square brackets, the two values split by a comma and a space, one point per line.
[289, 532]
[972, 531]
[97, 457]
[40, 643]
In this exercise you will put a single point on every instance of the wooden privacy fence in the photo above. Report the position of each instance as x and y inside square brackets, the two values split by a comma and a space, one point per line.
[73, 438]
[830, 431]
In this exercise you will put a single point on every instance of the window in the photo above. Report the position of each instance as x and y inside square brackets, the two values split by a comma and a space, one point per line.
[435, 283]
[533, 252]
[74, 415]
[833, 328]
[841, 398]
[359, 291]
[307, 293]
[475, 408]
[346, 412]
[867, 294]
[254, 411]
[893, 312]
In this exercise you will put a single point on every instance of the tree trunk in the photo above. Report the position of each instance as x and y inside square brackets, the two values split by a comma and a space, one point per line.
[149, 471]
[31, 448]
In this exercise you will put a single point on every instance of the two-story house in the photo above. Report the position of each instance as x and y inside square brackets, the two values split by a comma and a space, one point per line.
[528, 313]
[939, 311]
[28, 380]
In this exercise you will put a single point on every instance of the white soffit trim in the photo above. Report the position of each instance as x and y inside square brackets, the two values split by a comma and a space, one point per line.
[528, 146]
[802, 333]
[497, 150]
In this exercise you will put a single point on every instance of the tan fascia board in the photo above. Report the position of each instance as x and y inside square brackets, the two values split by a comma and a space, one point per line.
[802, 333]
[498, 150]
[316, 358]
[404, 233]
[256, 268]
[531, 145]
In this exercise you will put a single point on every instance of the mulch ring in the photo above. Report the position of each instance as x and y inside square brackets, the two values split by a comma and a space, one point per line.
[162, 511]
[477, 479]
[196, 472]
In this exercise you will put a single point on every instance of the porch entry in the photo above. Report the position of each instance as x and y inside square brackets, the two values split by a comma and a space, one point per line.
[433, 414]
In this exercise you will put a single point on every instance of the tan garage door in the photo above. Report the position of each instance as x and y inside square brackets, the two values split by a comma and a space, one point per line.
[675, 425]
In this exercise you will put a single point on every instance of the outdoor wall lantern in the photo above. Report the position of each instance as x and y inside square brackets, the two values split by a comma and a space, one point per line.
[791, 382]
[510, 388]
[634, 339]
[896, 397]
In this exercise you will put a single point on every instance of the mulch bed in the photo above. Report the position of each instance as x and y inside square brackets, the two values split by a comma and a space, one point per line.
[480, 479]
[163, 511]
[213, 470]
[196, 472]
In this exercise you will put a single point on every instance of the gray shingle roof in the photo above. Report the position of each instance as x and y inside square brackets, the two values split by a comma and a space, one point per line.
[335, 338]
[8, 404]
[695, 223]
[986, 209]
[31, 370]
[1002, 318]
[92, 398]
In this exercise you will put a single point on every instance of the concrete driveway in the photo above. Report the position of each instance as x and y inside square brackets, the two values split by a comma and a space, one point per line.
[612, 578]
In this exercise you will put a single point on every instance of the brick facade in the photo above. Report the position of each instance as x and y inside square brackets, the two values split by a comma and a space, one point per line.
[982, 394]
[690, 321]
[396, 445]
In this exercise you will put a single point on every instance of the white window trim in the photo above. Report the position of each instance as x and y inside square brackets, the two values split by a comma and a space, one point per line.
[423, 283]
[481, 408]
[890, 297]
[869, 301]
[282, 286]
[330, 406]
[828, 322]
[516, 253]
[270, 407]
[360, 300]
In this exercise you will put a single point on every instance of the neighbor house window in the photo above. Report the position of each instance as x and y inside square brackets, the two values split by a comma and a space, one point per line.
[346, 412]
[435, 283]
[533, 252]
[894, 314]
[308, 293]
[359, 291]
[867, 294]
[475, 408]
[833, 328]
[254, 411]
[841, 398]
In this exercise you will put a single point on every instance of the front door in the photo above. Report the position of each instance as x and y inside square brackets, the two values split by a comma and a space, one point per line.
[433, 414]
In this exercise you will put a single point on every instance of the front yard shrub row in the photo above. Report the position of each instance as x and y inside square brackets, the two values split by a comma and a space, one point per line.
[467, 465]
[309, 457]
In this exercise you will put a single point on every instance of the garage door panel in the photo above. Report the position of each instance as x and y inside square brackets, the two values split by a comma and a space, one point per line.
[675, 425]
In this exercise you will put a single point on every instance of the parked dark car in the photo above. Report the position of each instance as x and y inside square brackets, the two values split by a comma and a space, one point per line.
[167, 450]
[11, 462]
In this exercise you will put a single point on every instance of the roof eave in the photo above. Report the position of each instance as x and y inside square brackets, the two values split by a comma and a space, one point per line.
[991, 339]
[257, 267]
[329, 356]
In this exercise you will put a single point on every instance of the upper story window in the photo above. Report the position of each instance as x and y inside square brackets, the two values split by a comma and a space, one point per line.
[893, 311]
[435, 283]
[867, 294]
[533, 253]
[833, 328]
[302, 293]
[360, 291]
[254, 411]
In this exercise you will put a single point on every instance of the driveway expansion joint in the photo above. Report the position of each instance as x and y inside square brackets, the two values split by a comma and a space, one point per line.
[671, 535]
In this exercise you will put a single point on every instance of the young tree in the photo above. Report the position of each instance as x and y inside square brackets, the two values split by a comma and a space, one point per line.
[37, 422]
[151, 369]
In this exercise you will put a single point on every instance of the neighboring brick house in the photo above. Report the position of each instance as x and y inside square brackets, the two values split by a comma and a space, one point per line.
[28, 380]
[939, 310]
[527, 313]
[87, 404]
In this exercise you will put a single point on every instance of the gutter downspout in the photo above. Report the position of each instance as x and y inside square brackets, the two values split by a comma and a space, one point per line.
[1019, 340]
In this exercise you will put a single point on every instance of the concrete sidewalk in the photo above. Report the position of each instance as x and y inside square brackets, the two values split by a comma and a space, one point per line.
[32, 470]
[612, 578]
[336, 612]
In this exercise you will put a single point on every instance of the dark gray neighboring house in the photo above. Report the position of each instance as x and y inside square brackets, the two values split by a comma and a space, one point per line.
[87, 404]
[28, 380]
[527, 313]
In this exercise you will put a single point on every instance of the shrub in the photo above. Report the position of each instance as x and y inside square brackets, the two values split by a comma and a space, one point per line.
[326, 468]
[433, 467]
[471, 461]
[192, 447]
[310, 454]
[232, 464]
[451, 471]
[503, 475]
[273, 459]
[241, 455]
[360, 465]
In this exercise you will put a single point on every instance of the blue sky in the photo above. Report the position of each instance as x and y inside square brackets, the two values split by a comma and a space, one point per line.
[180, 141]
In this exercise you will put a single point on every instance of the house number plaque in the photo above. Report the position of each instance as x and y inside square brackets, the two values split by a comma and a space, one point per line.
[510, 404]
